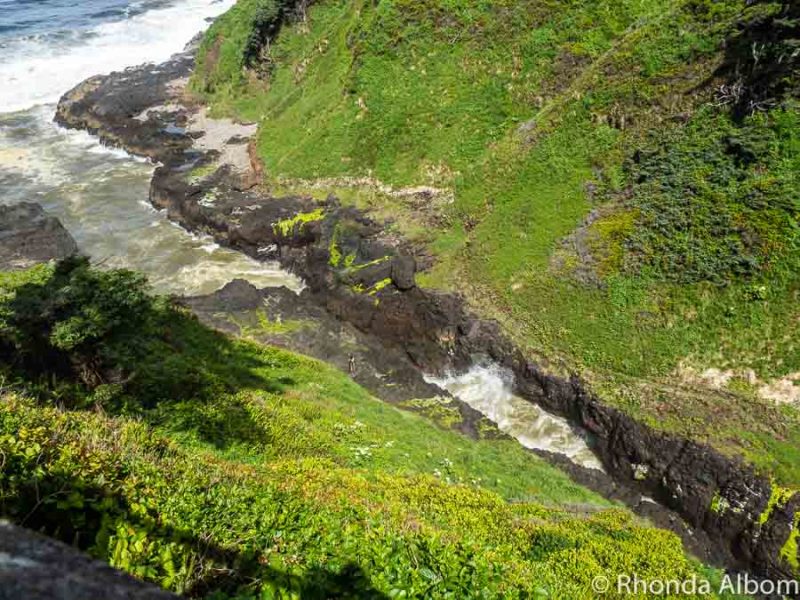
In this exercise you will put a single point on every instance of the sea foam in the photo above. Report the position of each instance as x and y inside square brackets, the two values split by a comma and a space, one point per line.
[488, 389]
[39, 69]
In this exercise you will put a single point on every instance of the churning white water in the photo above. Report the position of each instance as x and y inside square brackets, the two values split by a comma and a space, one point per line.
[487, 388]
[101, 197]
[38, 69]
[100, 194]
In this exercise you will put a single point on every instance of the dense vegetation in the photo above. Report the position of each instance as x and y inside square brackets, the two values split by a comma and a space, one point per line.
[222, 469]
[619, 179]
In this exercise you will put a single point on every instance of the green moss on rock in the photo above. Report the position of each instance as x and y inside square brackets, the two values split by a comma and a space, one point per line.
[286, 227]
[379, 286]
[334, 252]
[439, 410]
[779, 496]
[790, 548]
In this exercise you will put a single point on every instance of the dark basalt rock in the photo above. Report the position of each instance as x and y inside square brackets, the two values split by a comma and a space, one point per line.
[113, 106]
[29, 236]
[359, 276]
[403, 269]
[238, 295]
[301, 324]
[34, 567]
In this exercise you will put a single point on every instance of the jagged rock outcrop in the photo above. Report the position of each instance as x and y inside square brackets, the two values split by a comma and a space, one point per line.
[113, 108]
[29, 236]
[34, 567]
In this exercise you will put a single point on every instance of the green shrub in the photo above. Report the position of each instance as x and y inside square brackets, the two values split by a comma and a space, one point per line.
[78, 323]
[718, 201]
[761, 60]
[85, 335]
[238, 41]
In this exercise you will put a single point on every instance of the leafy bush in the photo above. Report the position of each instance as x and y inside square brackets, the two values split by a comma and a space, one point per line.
[717, 201]
[79, 324]
[762, 62]
[267, 22]
[85, 335]
[239, 40]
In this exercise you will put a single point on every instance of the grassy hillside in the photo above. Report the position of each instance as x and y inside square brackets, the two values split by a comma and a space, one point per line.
[222, 469]
[617, 181]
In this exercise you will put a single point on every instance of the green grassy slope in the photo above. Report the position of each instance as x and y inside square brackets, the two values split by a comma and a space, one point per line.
[222, 469]
[617, 204]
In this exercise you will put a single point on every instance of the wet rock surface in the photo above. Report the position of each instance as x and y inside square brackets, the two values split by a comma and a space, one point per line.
[29, 236]
[34, 567]
[360, 287]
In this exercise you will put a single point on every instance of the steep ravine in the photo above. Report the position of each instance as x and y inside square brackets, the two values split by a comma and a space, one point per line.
[365, 278]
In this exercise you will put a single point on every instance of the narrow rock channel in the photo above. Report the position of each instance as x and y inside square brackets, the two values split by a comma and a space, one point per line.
[488, 389]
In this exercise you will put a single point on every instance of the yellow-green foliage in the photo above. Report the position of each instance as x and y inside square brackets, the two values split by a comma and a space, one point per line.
[353, 268]
[179, 515]
[608, 235]
[719, 504]
[201, 172]
[333, 249]
[277, 326]
[439, 410]
[790, 548]
[286, 227]
[779, 496]
[264, 325]
[378, 286]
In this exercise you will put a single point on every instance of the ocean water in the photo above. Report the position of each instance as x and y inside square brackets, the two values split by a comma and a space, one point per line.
[101, 194]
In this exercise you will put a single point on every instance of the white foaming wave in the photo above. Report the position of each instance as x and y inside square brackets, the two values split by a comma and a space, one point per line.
[118, 153]
[487, 389]
[222, 265]
[207, 276]
[39, 70]
[89, 143]
[49, 162]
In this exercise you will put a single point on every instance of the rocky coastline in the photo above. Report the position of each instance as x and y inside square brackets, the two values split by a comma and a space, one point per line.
[360, 286]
